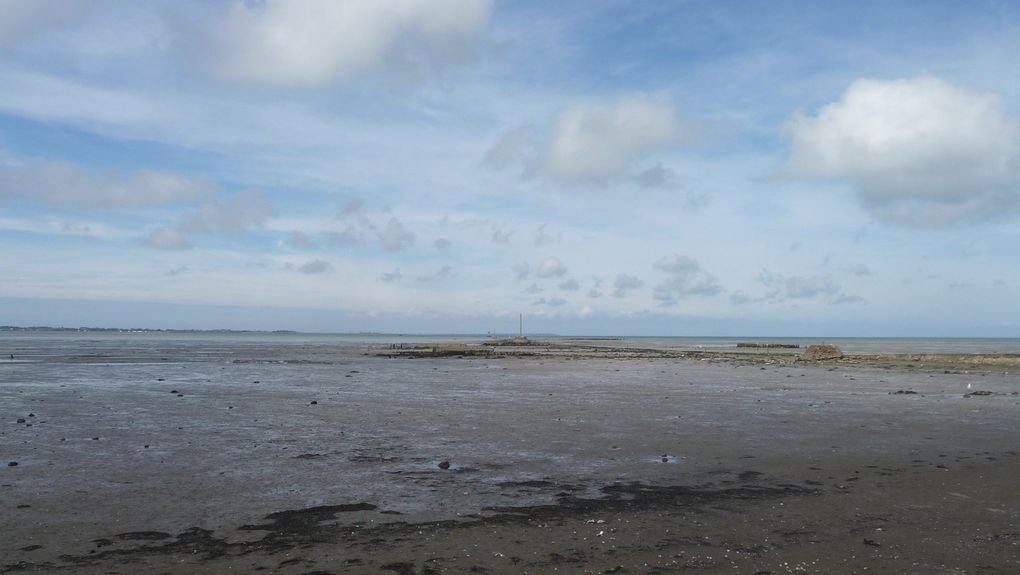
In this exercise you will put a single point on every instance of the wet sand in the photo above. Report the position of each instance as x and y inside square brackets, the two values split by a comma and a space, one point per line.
[566, 459]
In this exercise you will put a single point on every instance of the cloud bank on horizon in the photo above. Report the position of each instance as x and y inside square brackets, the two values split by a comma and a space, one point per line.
[602, 167]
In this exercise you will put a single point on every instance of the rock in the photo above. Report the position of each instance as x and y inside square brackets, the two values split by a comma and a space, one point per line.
[822, 351]
[12, 464]
[314, 403]
[903, 392]
[21, 420]
[444, 464]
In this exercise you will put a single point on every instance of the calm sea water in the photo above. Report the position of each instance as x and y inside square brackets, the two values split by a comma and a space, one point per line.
[119, 346]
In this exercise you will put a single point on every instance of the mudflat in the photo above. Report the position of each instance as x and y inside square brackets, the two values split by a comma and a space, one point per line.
[578, 457]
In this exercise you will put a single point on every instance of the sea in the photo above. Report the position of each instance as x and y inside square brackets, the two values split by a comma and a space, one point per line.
[32, 346]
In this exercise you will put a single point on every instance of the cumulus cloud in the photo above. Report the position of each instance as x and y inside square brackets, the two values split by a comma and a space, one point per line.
[569, 285]
[846, 298]
[442, 244]
[685, 278]
[176, 271]
[740, 297]
[440, 274]
[522, 270]
[239, 212]
[351, 207]
[625, 283]
[67, 185]
[797, 287]
[860, 270]
[551, 267]
[348, 237]
[918, 151]
[500, 236]
[166, 239]
[315, 267]
[311, 43]
[588, 144]
[301, 240]
[543, 237]
[533, 289]
[394, 236]
[20, 18]
[655, 177]
[391, 276]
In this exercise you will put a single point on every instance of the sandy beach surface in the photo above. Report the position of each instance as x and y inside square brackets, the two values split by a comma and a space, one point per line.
[213, 455]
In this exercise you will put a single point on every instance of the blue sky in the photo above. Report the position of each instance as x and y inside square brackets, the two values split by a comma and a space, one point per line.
[604, 167]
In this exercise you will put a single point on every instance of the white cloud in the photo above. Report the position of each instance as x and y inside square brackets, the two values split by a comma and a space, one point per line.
[542, 237]
[589, 144]
[918, 152]
[315, 267]
[19, 18]
[741, 298]
[655, 177]
[501, 236]
[569, 285]
[442, 244]
[624, 283]
[391, 276]
[533, 289]
[239, 212]
[394, 236]
[860, 270]
[67, 185]
[522, 270]
[551, 267]
[348, 237]
[596, 284]
[797, 287]
[311, 43]
[301, 240]
[166, 239]
[351, 207]
[686, 278]
[442, 273]
[845, 298]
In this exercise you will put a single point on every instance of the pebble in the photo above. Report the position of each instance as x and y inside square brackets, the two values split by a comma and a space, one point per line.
[444, 465]
[12, 464]
[314, 403]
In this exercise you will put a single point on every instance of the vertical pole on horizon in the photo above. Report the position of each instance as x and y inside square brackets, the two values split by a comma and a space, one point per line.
[521, 325]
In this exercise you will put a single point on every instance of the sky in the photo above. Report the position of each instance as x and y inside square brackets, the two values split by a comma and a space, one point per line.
[603, 167]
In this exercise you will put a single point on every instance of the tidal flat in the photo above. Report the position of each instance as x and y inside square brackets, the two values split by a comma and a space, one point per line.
[176, 454]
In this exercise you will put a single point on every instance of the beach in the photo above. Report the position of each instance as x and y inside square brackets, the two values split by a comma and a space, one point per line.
[170, 454]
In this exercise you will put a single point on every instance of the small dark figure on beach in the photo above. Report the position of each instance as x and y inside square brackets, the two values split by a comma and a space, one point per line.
[12, 356]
